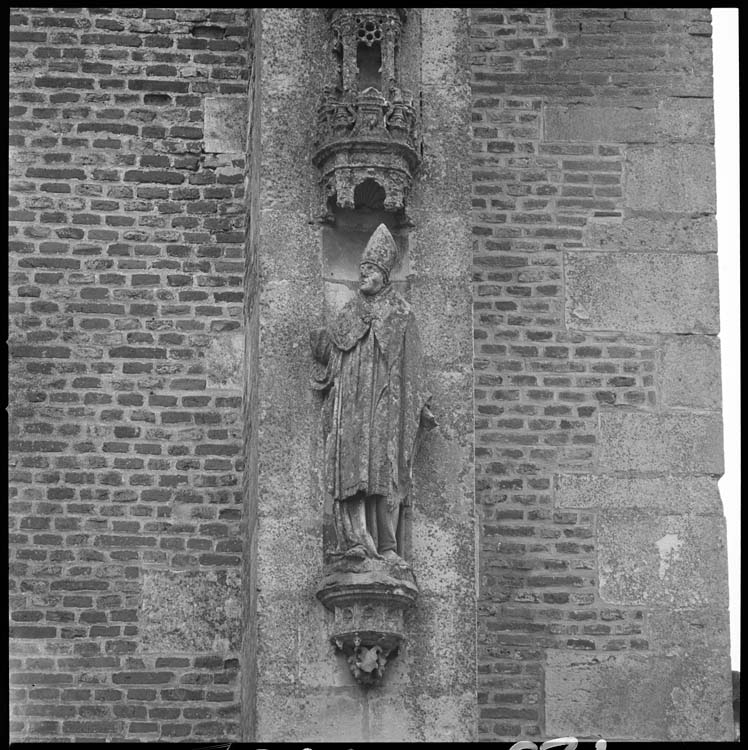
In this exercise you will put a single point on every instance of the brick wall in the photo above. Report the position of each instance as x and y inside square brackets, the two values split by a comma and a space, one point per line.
[126, 299]
[572, 109]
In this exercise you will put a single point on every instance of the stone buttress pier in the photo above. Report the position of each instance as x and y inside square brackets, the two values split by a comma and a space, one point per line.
[358, 118]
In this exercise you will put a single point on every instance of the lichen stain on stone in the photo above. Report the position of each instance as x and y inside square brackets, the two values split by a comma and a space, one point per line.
[668, 548]
[190, 611]
[224, 359]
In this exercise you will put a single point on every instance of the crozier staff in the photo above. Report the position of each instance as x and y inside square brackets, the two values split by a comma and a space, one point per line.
[370, 372]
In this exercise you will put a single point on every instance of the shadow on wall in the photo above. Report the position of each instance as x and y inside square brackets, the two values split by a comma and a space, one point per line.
[736, 703]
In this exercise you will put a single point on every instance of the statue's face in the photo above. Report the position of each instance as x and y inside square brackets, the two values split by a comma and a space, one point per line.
[371, 279]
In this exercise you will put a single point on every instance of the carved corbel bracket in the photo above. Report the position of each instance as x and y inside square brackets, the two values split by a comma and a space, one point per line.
[368, 600]
[349, 167]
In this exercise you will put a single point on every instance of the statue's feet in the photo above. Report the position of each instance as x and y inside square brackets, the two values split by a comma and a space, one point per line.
[358, 552]
[393, 558]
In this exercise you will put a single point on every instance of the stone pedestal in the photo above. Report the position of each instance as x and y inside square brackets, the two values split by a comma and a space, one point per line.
[368, 600]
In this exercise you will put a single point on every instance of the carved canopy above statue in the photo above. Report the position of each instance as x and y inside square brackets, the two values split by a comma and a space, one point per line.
[367, 126]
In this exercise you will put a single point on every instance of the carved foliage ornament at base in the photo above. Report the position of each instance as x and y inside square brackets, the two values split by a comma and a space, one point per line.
[365, 662]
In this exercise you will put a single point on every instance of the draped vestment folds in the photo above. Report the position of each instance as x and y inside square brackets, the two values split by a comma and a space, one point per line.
[369, 368]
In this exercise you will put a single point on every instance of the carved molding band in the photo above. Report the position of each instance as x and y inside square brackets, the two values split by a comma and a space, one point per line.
[367, 116]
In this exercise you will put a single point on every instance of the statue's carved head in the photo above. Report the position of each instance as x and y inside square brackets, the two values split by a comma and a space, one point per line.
[371, 279]
[378, 259]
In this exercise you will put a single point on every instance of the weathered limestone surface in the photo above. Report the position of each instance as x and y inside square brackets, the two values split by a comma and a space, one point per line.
[662, 560]
[697, 642]
[689, 372]
[674, 695]
[618, 696]
[286, 280]
[639, 292]
[671, 178]
[660, 234]
[632, 695]
[679, 442]
[443, 674]
[672, 120]
[666, 494]
[302, 687]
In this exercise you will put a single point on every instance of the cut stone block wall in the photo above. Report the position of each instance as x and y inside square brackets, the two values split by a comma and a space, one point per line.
[126, 265]
[598, 426]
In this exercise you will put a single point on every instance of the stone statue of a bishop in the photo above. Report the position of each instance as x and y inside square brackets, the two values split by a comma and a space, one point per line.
[369, 370]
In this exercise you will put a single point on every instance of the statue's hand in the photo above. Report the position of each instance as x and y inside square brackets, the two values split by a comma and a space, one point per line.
[391, 504]
[428, 420]
[319, 343]
[314, 336]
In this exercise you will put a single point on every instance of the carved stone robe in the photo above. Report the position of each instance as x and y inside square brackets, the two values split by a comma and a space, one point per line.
[369, 367]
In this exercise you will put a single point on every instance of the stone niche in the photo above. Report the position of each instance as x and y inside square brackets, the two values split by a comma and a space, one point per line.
[374, 410]
[366, 151]
[342, 244]
[367, 140]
